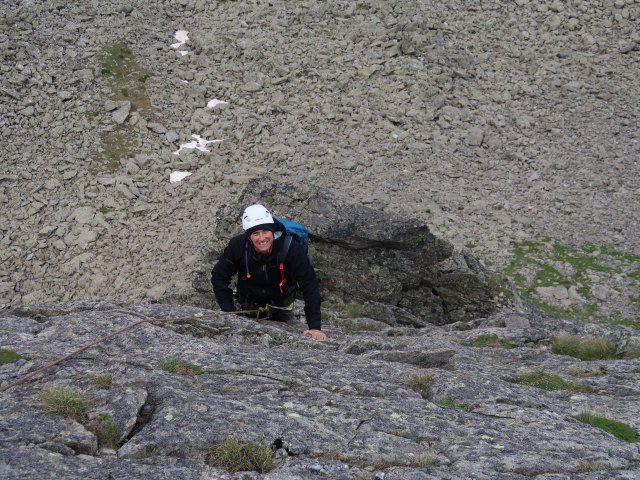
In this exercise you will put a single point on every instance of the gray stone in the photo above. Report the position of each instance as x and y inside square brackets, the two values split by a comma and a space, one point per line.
[27, 112]
[172, 136]
[65, 95]
[156, 127]
[558, 292]
[251, 86]
[85, 238]
[84, 215]
[475, 137]
[120, 115]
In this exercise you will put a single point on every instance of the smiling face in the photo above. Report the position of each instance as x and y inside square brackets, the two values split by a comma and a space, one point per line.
[262, 240]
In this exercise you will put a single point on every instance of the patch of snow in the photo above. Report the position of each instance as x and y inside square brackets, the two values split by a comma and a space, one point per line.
[177, 176]
[182, 36]
[199, 144]
[214, 102]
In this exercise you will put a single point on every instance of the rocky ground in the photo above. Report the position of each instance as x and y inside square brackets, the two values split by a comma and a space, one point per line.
[507, 127]
[496, 123]
[374, 402]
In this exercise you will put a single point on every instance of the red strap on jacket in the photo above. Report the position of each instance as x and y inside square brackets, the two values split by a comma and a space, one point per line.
[284, 280]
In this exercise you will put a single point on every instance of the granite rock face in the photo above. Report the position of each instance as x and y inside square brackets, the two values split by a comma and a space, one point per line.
[396, 402]
[369, 257]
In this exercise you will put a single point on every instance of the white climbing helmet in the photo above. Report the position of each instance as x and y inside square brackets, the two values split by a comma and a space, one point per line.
[254, 216]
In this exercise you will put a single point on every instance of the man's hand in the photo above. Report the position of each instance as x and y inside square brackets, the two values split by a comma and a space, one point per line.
[317, 334]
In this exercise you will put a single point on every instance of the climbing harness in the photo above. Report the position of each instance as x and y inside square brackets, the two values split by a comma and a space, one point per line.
[113, 334]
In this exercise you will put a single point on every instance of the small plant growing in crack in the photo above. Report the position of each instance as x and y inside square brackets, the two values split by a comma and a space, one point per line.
[420, 461]
[421, 382]
[103, 382]
[106, 430]
[458, 406]
[492, 341]
[236, 455]
[277, 339]
[291, 382]
[181, 368]
[147, 452]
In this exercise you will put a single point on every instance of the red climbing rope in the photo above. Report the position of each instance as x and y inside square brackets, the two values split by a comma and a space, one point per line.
[113, 334]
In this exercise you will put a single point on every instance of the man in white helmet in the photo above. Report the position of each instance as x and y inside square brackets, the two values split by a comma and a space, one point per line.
[265, 280]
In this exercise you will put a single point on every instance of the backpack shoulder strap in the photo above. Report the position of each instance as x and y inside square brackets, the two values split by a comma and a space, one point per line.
[284, 250]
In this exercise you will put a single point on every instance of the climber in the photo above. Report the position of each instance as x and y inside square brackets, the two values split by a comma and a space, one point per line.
[271, 267]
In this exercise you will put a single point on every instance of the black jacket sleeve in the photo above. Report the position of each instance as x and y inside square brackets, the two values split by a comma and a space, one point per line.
[303, 273]
[223, 272]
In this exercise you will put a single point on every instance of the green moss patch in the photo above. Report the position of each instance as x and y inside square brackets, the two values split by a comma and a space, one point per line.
[546, 381]
[614, 427]
[126, 77]
[127, 80]
[117, 144]
[8, 356]
[545, 262]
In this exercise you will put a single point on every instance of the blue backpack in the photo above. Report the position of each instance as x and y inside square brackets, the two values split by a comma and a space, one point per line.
[293, 230]
[297, 231]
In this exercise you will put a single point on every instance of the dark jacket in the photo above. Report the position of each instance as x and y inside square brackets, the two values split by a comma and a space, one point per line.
[262, 287]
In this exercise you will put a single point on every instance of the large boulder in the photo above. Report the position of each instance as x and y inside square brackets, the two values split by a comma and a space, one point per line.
[391, 265]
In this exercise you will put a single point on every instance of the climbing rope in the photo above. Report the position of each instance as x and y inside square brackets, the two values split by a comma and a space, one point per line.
[113, 334]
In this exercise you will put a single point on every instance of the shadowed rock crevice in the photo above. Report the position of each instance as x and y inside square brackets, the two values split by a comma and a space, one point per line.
[145, 415]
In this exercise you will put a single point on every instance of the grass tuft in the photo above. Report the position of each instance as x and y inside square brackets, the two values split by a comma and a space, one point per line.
[584, 348]
[546, 381]
[106, 430]
[489, 340]
[181, 368]
[416, 462]
[633, 351]
[576, 371]
[65, 402]
[8, 356]
[421, 382]
[147, 452]
[614, 427]
[103, 382]
[291, 382]
[240, 456]
[458, 406]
